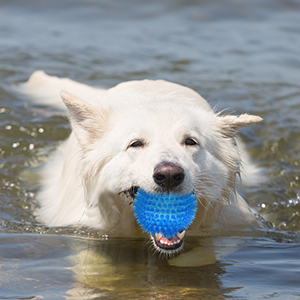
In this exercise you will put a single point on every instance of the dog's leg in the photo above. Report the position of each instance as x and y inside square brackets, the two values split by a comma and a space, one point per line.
[209, 252]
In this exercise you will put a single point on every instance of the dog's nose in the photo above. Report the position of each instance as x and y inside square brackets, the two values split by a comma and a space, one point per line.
[168, 175]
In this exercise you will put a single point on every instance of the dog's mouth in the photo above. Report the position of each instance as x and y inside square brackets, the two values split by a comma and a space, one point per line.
[130, 193]
[165, 245]
[170, 245]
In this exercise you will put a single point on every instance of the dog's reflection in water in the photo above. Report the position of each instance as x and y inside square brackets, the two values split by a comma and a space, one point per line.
[117, 266]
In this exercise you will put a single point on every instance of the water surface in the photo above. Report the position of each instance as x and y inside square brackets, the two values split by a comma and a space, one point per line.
[241, 56]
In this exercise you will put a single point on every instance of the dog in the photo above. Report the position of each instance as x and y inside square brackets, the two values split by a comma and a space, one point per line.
[155, 135]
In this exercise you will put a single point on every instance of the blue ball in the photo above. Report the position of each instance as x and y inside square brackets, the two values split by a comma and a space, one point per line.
[164, 213]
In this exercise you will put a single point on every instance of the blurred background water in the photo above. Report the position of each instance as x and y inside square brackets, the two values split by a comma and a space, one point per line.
[242, 56]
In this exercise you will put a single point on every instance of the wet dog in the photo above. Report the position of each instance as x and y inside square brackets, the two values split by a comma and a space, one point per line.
[155, 135]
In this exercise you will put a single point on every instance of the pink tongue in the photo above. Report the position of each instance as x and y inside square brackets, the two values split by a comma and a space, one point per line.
[174, 240]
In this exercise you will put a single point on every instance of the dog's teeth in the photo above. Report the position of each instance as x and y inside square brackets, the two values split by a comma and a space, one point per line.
[181, 234]
[158, 236]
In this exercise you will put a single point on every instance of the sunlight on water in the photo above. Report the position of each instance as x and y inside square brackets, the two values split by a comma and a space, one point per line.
[85, 268]
[242, 57]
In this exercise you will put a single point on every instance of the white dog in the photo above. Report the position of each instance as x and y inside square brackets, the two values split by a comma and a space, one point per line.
[155, 135]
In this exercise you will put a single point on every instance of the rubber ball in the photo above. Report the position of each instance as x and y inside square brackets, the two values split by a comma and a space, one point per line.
[164, 213]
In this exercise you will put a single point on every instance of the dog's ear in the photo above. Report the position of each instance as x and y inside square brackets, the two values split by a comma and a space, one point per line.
[231, 124]
[88, 122]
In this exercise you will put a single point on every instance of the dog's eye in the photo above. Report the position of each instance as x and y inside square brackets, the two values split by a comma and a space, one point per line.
[190, 142]
[136, 144]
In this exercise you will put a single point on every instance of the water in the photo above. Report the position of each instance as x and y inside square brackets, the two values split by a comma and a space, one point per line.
[243, 56]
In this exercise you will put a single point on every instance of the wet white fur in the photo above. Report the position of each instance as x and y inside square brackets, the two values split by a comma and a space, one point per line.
[82, 181]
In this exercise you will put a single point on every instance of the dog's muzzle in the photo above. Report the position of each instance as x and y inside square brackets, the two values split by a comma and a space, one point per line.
[165, 217]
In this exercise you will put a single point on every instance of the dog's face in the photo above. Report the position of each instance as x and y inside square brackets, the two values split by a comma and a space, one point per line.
[161, 146]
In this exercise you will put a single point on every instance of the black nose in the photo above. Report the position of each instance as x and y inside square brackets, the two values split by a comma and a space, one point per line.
[168, 175]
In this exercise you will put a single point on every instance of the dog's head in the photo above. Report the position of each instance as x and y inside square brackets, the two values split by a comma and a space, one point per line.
[161, 143]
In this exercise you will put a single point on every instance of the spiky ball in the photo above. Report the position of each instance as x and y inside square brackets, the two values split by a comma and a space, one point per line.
[164, 213]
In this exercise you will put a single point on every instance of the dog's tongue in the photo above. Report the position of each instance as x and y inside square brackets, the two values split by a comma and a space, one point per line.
[169, 242]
